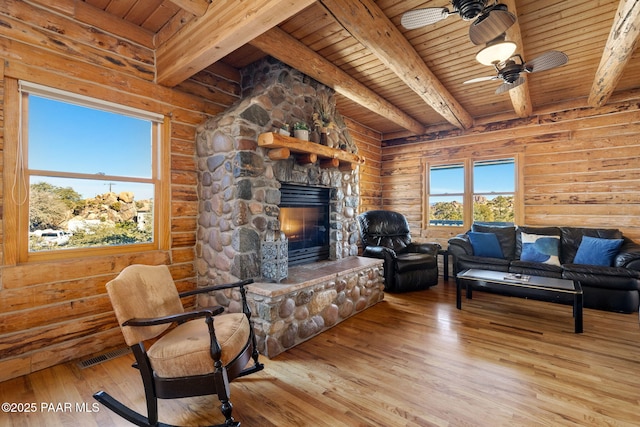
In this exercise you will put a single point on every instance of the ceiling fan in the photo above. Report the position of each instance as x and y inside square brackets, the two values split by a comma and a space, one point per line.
[489, 20]
[509, 70]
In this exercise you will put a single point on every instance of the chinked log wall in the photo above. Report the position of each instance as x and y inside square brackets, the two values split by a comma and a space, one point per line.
[581, 166]
[57, 311]
[368, 142]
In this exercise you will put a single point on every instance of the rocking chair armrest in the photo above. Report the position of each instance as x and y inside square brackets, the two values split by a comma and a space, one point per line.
[240, 284]
[180, 317]
[216, 288]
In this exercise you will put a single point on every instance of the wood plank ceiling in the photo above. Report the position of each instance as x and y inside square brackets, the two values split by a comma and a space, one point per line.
[397, 81]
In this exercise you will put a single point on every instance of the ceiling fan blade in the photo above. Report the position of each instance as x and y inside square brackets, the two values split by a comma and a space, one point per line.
[480, 79]
[546, 61]
[504, 87]
[421, 17]
[490, 25]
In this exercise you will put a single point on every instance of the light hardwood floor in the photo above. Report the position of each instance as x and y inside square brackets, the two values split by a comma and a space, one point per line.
[411, 360]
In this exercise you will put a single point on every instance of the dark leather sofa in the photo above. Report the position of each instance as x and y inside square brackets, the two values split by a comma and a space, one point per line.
[408, 266]
[613, 287]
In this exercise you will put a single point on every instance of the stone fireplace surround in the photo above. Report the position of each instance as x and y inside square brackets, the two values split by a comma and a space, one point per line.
[238, 188]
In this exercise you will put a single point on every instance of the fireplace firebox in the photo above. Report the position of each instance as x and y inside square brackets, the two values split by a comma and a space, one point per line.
[304, 219]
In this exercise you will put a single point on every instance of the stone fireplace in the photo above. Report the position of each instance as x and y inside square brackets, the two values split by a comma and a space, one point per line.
[239, 184]
[240, 200]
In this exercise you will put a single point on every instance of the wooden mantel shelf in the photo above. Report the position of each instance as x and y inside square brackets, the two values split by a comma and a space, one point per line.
[282, 146]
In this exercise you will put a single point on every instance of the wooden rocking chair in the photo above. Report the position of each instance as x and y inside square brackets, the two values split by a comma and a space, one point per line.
[200, 356]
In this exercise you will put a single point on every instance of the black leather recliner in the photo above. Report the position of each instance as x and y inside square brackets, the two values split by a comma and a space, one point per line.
[407, 266]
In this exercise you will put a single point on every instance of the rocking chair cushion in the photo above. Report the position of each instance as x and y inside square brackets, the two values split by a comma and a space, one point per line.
[186, 350]
[143, 291]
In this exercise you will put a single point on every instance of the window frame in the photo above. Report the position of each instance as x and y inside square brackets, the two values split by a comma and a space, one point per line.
[463, 165]
[16, 227]
[468, 197]
[474, 163]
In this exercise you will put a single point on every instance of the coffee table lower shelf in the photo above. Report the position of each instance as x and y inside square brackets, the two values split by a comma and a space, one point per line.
[545, 285]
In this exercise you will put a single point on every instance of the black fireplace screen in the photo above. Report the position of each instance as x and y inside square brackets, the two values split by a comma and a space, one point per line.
[304, 219]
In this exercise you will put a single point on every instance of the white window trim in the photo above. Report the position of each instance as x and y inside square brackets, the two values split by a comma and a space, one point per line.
[86, 101]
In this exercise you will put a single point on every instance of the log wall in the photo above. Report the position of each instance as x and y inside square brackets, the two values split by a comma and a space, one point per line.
[52, 312]
[368, 142]
[579, 166]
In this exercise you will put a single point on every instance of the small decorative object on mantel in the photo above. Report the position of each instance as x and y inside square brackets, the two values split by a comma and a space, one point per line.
[314, 136]
[323, 116]
[284, 130]
[323, 127]
[274, 251]
[301, 131]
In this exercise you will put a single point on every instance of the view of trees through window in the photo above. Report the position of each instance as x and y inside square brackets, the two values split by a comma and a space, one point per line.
[446, 195]
[89, 174]
[492, 197]
[493, 190]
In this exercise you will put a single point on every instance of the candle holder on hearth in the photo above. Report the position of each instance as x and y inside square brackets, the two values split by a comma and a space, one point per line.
[274, 250]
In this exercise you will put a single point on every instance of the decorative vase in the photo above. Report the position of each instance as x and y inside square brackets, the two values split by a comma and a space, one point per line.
[302, 134]
[323, 136]
[314, 136]
[333, 140]
[274, 249]
[284, 132]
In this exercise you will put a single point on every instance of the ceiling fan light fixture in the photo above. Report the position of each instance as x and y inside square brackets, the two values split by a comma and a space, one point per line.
[496, 51]
[469, 9]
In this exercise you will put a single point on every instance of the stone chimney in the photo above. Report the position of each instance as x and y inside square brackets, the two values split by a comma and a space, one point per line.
[238, 184]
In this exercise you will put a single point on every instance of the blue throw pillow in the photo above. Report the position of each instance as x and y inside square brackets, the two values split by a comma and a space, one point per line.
[485, 244]
[595, 251]
[540, 248]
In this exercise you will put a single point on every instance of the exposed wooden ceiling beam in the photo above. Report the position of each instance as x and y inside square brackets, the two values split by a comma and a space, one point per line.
[197, 7]
[287, 49]
[365, 21]
[98, 18]
[620, 46]
[225, 26]
[520, 97]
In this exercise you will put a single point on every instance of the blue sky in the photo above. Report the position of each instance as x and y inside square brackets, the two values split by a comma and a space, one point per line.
[494, 177]
[71, 138]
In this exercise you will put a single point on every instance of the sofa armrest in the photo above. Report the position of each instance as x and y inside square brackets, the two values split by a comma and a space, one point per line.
[381, 252]
[424, 248]
[628, 256]
[460, 245]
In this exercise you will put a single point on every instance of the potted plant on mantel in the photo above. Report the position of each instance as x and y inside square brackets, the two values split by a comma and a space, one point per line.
[284, 129]
[301, 131]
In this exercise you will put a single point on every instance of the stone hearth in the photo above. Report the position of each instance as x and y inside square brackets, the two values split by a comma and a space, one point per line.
[314, 298]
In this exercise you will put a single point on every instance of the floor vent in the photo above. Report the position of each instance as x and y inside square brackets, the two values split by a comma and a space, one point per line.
[103, 357]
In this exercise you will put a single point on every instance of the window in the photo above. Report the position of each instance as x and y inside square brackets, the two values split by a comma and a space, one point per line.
[463, 192]
[446, 195]
[493, 190]
[88, 173]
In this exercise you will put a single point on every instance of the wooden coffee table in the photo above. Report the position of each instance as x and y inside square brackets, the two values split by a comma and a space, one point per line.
[546, 285]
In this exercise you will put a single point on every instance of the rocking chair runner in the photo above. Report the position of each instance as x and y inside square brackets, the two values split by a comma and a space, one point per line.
[200, 356]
